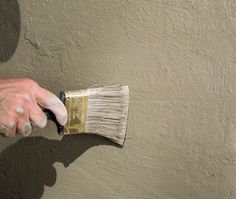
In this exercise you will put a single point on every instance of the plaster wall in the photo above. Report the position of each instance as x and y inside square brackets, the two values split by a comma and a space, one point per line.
[178, 58]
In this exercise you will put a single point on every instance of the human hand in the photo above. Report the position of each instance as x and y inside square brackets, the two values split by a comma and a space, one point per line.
[21, 103]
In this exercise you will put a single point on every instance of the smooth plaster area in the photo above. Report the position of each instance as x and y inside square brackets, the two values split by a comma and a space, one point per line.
[178, 58]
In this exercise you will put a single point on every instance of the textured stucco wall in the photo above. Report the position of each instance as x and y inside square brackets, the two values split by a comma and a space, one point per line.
[179, 59]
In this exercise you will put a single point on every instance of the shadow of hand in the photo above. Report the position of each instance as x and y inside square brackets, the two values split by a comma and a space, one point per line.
[9, 28]
[27, 165]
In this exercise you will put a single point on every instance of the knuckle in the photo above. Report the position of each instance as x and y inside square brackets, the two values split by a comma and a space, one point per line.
[39, 119]
[9, 124]
[20, 110]
[23, 97]
[39, 124]
[3, 130]
[29, 83]
[24, 129]
[28, 129]
[7, 128]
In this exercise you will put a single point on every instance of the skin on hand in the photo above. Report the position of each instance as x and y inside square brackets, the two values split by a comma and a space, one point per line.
[21, 103]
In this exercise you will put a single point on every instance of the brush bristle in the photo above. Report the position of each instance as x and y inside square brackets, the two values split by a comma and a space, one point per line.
[108, 112]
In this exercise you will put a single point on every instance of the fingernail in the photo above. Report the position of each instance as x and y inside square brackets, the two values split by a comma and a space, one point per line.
[64, 120]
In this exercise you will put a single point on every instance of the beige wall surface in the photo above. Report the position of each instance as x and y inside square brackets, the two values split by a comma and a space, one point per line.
[178, 58]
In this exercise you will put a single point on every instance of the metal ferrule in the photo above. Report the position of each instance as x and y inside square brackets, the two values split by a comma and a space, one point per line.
[76, 103]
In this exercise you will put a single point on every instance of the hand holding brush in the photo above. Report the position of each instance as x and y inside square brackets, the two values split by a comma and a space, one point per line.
[21, 104]
[102, 111]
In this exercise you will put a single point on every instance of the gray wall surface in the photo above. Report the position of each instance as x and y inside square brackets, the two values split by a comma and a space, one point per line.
[178, 58]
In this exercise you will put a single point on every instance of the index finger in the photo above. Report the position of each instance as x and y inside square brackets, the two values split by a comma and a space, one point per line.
[48, 100]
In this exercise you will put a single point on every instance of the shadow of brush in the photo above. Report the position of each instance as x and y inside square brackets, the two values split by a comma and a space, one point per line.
[27, 165]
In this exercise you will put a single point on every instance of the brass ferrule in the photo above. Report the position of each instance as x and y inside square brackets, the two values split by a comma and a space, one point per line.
[76, 103]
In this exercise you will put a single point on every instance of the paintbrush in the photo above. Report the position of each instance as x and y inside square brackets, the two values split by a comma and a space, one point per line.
[102, 111]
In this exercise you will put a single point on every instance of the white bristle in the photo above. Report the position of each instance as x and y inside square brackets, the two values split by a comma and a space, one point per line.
[108, 112]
